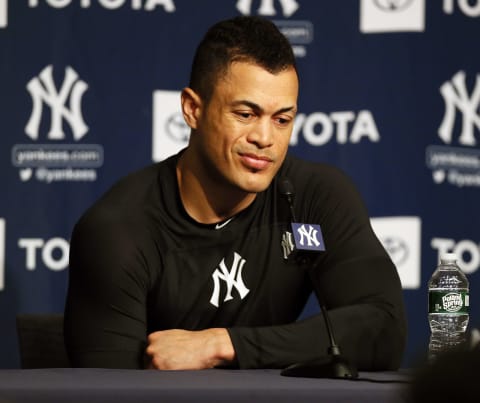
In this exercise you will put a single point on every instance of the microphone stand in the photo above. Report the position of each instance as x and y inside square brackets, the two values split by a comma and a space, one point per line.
[334, 364]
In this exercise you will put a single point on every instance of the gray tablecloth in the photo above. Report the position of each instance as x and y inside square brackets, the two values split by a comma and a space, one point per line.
[216, 385]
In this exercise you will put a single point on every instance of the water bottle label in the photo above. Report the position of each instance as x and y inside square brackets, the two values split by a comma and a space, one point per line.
[448, 302]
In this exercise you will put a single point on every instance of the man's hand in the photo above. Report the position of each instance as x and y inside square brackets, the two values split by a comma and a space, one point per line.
[184, 349]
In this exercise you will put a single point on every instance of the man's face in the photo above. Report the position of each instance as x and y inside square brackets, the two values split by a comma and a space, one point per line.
[244, 131]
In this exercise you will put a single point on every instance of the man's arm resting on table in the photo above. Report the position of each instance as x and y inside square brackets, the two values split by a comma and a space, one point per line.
[185, 349]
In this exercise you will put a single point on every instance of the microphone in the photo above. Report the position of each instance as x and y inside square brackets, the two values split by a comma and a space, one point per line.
[333, 365]
[285, 188]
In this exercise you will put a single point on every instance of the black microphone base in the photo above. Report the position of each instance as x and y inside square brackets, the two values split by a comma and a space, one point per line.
[332, 366]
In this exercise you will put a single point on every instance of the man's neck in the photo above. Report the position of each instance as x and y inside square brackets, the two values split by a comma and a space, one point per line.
[204, 198]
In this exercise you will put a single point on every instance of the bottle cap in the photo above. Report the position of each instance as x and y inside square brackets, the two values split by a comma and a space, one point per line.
[448, 258]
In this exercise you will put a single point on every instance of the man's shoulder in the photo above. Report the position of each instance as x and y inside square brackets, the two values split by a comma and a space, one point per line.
[128, 198]
[302, 170]
[135, 181]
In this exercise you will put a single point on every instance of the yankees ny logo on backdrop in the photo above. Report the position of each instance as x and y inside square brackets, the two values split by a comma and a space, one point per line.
[42, 89]
[267, 7]
[456, 96]
[232, 278]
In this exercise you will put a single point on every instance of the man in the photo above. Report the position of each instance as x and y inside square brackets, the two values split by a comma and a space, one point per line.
[187, 265]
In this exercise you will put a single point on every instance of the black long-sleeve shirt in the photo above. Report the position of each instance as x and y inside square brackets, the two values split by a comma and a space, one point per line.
[139, 264]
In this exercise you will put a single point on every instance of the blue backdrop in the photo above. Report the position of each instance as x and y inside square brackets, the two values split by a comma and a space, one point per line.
[89, 91]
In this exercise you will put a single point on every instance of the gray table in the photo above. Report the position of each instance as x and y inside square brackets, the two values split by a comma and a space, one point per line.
[216, 385]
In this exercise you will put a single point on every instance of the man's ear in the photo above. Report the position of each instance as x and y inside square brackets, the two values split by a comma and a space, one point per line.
[191, 107]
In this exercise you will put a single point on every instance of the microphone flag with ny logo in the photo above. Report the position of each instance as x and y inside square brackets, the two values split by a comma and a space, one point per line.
[308, 237]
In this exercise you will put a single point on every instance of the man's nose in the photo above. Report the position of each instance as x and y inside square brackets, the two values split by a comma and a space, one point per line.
[262, 133]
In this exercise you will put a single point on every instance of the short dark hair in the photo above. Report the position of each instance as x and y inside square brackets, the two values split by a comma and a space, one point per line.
[240, 39]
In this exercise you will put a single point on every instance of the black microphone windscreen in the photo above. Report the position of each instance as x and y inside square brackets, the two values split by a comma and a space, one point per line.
[285, 187]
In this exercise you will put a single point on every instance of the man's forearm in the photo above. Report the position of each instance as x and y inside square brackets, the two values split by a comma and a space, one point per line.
[368, 336]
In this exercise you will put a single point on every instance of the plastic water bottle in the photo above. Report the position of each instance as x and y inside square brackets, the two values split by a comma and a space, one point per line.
[448, 302]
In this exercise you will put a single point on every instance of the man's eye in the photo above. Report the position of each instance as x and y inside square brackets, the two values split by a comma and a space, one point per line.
[245, 115]
[283, 121]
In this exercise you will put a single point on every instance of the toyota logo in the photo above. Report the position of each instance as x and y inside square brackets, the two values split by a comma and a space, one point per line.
[393, 5]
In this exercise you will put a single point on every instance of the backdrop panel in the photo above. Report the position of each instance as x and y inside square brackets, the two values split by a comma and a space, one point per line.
[390, 93]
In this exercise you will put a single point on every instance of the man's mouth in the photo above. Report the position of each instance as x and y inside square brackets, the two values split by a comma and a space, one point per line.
[255, 162]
